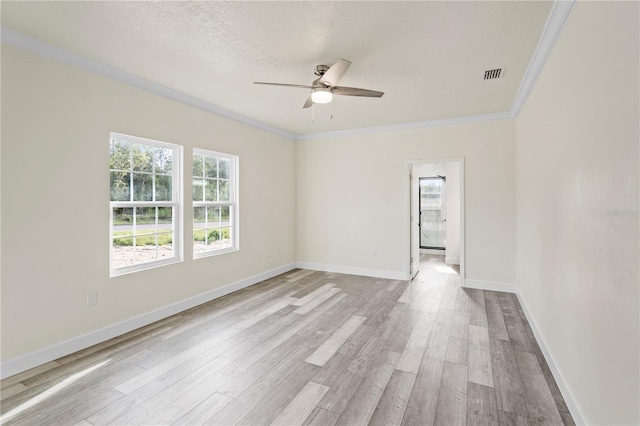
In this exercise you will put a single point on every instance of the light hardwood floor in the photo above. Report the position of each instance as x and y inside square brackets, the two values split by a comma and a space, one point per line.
[309, 348]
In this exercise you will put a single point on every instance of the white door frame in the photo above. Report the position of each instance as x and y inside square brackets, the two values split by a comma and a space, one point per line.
[414, 219]
[407, 213]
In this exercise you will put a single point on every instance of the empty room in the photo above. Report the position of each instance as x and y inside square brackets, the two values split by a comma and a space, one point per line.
[320, 213]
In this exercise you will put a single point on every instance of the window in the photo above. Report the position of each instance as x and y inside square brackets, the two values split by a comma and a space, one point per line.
[145, 203]
[215, 206]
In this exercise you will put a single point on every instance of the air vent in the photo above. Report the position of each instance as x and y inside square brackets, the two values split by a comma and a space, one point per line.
[492, 74]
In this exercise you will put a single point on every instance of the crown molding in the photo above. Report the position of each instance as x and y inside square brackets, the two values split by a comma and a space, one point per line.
[408, 126]
[558, 16]
[34, 45]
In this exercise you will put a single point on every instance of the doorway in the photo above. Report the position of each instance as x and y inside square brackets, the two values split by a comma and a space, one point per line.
[435, 212]
[432, 213]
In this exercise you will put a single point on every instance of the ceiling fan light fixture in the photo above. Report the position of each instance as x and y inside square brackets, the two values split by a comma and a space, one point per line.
[321, 95]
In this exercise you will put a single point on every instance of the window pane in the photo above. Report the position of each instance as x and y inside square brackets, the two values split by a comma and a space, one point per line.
[197, 165]
[213, 239]
[120, 186]
[145, 221]
[142, 187]
[165, 218]
[122, 252]
[224, 190]
[199, 217]
[146, 216]
[213, 235]
[225, 237]
[199, 231]
[165, 245]
[119, 155]
[142, 156]
[224, 214]
[145, 248]
[211, 167]
[213, 214]
[198, 191]
[224, 168]
[210, 190]
[145, 244]
[163, 188]
[122, 221]
[199, 244]
[163, 160]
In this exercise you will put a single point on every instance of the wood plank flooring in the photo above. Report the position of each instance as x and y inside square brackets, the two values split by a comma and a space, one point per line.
[309, 348]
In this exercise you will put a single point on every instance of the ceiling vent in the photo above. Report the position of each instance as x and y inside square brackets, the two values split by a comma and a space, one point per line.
[493, 74]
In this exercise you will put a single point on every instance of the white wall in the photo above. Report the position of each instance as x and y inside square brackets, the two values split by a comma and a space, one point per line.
[352, 197]
[429, 170]
[56, 121]
[577, 164]
[452, 252]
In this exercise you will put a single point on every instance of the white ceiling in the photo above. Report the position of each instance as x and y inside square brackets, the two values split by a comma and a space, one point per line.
[428, 57]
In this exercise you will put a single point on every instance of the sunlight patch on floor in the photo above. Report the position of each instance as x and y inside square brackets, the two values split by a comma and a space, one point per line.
[445, 269]
[50, 392]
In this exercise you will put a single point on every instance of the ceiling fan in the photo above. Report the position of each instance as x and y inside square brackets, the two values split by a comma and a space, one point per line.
[324, 87]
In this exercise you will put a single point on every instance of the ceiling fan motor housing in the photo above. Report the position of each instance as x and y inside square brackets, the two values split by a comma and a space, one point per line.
[321, 69]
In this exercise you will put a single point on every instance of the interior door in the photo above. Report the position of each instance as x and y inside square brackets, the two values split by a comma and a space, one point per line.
[414, 222]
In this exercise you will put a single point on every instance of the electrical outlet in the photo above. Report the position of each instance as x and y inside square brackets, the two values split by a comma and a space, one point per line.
[374, 252]
[92, 298]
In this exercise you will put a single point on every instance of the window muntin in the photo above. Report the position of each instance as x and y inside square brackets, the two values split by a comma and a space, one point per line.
[215, 208]
[144, 184]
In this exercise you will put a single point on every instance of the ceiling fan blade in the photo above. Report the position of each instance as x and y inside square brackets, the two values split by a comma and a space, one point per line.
[336, 72]
[354, 91]
[284, 85]
[308, 103]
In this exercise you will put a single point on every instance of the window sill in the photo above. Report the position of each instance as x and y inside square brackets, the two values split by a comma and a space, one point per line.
[215, 253]
[142, 267]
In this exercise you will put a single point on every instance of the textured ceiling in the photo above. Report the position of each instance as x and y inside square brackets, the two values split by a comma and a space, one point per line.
[428, 57]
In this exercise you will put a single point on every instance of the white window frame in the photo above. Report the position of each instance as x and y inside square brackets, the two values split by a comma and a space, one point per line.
[234, 209]
[176, 203]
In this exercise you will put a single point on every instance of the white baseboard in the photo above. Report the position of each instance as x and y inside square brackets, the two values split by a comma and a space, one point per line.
[576, 411]
[376, 273]
[55, 351]
[452, 260]
[489, 285]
